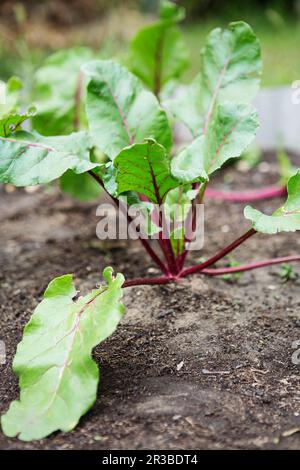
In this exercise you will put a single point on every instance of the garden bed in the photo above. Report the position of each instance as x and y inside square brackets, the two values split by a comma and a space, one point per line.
[206, 363]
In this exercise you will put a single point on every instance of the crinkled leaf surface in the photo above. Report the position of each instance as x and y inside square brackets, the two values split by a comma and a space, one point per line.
[129, 200]
[58, 377]
[216, 106]
[189, 164]
[285, 219]
[158, 53]
[29, 159]
[145, 168]
[108, 174]
[120, 111]
[56, 84]
[230, 71]
[230, 131]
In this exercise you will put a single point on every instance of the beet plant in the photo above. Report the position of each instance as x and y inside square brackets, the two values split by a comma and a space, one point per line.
[159, 56]
[129, 126]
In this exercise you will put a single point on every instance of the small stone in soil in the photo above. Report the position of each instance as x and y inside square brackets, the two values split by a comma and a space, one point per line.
[176, 417]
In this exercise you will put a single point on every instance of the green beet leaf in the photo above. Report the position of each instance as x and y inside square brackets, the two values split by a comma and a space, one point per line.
[158, 53]
[168, 10]
[11, 122]
[145, 168]
[284, 219]
[29, 159]
[230, 71]
[129, 200]
[12, 102]
[216, 106]
[120, 111]
[11, 118]
[58, 377]
[189, 165]
[229, 133]
[56, 84]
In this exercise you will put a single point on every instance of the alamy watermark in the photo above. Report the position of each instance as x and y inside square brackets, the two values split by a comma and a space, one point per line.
[296, 353]
[152, 222]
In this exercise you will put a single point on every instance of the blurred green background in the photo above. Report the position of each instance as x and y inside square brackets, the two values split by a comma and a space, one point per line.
[31, 29]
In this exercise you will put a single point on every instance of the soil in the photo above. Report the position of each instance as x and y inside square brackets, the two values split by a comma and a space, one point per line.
[204, 364]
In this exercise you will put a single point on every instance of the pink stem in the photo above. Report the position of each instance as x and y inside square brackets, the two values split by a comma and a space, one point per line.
[210, 272]
[192, 214]
[251, 266]
[221, 254]
[156, 220]
[165, 243]
[246, 196]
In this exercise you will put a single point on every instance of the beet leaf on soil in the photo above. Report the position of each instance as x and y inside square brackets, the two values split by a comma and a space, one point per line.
[126, 149]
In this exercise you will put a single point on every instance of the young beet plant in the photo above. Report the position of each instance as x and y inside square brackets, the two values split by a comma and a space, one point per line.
[57, 375]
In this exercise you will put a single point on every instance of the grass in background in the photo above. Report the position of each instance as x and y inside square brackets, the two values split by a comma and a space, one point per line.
[280, 40]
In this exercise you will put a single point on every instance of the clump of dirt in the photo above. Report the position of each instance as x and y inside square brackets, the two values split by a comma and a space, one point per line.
[203, 364]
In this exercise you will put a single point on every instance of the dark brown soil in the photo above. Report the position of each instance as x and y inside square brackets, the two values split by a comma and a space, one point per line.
[204, 364]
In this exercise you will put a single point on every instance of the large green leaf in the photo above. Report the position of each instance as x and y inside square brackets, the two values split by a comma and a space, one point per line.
[285, 219]
[158, 53]
[55, 86]
[129, 200]
[216, 105]
[145, 168]
[230, 71]
[58, 377]
[29, 159]
[230, 131]
[120, 112]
